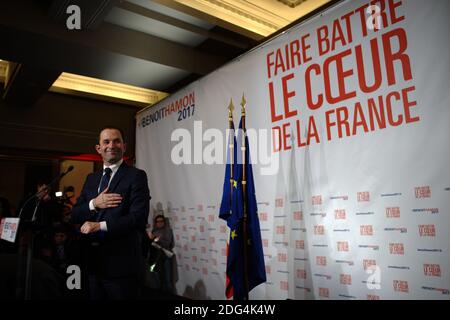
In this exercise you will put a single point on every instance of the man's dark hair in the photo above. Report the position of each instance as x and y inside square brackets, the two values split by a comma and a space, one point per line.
[114, 128]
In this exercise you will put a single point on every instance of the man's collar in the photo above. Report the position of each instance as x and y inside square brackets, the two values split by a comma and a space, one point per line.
[114, 166]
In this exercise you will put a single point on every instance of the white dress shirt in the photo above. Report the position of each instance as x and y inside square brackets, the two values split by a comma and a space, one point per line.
[114, 167]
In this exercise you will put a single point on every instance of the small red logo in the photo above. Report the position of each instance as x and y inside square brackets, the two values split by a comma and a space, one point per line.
[203, 249]
[339, 214]
[321, 260]
[373, 297]
[279, 203]
[200, 207]
[301, 273]
[194, 259]
[432, 270]
[298, 215]
[363, 196]
[211, 218]
[317, 200]
[282, 257]
[205, 271]
[281, 229]
[393, 212]
[263, 216]
[265, 243]
[422, 192]
[319, 230]
[324, 292]
[366, 230]
[300, 244]
[342, 246]
[212, 240]
[284, 285]
[202, 228]
[223, 229]
[427, 230]
[396, 248]
[367, 263]
[346, 279]
[400, 286]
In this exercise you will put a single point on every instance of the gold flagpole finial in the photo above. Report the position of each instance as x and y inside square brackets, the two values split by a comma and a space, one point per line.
[243, 103]
[231, 105]
[230, 109]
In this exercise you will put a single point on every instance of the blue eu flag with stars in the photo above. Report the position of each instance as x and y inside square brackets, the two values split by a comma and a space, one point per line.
[234, 213]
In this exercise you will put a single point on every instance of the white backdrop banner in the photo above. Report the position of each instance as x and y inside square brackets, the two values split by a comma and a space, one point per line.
[348, 120]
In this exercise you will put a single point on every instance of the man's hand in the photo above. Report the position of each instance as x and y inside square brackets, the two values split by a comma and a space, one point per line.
[107, 200]
[150, 235]
[90, 227]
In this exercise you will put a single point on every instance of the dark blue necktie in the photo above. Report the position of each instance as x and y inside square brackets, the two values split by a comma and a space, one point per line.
[105, 180]
[103, 185]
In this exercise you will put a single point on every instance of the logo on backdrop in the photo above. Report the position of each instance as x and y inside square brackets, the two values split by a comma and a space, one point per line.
[182, 108]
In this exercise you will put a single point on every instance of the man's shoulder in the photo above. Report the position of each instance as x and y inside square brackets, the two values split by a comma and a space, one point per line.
[133, 170]
[93, 175]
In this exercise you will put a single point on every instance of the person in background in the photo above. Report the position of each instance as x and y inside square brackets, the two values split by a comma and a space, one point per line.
[161, 238]
[46, 211]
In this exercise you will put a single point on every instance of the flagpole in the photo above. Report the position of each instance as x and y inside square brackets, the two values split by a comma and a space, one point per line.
[231, 146]
[244, 195]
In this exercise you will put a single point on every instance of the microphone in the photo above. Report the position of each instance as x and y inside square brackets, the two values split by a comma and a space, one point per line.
[69, 169]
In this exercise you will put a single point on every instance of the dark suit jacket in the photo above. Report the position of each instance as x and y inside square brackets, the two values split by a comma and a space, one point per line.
[118, 253]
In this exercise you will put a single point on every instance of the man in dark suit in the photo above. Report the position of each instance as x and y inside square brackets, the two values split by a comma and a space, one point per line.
[113, 210]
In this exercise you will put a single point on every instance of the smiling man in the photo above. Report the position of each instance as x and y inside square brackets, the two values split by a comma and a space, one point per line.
[113, 210]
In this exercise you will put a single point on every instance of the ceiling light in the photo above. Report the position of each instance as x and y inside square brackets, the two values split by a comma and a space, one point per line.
[74, 84]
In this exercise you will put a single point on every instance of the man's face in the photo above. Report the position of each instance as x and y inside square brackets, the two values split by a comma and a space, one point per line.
[111, 146]
[59, 238]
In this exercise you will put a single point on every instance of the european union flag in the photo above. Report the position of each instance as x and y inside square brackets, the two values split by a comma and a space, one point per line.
[230, 169]
[256, 273]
